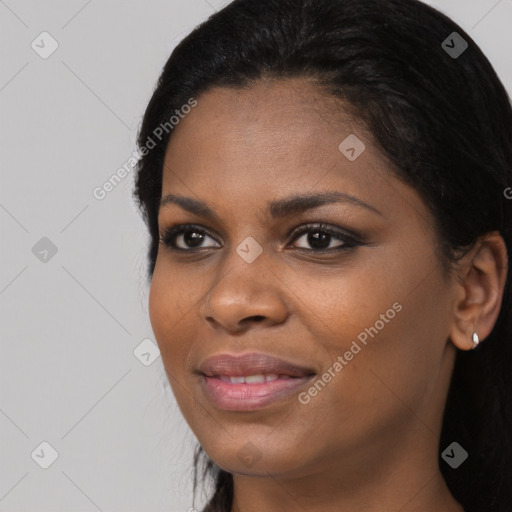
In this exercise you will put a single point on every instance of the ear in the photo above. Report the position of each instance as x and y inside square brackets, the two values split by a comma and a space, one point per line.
[481, 277]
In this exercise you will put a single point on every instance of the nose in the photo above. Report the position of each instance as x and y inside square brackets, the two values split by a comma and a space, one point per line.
[245, 294]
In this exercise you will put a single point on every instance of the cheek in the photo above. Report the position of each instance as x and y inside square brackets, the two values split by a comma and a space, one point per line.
[387, 380]
[160, 305]
[402, 347]
[171, 296]
[167, 314]
[169, 324]
[390, 322]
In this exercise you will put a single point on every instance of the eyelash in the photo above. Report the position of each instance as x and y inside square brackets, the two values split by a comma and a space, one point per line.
[349, 241]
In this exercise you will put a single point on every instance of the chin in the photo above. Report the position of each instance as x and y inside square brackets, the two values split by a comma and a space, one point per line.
[250, 461]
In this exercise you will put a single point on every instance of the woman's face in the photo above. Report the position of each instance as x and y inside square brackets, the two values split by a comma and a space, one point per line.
[369, 316]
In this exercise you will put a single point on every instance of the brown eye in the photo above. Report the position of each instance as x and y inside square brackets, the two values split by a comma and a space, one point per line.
[320, 238]
[188, 235]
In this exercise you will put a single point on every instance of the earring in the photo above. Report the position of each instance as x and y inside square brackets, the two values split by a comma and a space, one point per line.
[476, 340]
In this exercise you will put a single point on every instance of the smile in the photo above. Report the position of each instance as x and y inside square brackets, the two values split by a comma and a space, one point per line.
[247, 393]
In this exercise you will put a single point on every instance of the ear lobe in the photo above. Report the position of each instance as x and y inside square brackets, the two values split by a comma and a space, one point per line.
[480, 286]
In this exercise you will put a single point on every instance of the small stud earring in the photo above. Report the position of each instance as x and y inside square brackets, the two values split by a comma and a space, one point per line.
[476, 340]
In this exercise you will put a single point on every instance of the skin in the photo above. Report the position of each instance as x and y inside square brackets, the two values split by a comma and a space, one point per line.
[369, 439]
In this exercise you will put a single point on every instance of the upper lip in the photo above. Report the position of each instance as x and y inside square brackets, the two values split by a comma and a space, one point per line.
[253, 363]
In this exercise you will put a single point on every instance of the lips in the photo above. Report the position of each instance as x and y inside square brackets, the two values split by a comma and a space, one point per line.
[252, 365]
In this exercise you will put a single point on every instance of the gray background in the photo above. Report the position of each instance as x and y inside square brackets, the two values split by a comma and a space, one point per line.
[70, 321]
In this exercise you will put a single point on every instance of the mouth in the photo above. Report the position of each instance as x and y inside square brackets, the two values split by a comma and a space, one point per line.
[251, 381]
[239, 394]
[250, 365]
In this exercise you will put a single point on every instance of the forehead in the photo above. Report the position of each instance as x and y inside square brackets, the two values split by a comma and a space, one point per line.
[271, 128]
[273, 110]
[275, 139]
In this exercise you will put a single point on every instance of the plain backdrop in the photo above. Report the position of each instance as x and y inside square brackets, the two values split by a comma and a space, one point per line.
[82, 389]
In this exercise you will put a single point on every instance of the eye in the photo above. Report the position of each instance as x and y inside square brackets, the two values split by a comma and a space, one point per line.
[320, 237]
[188, 237]
[189, 234]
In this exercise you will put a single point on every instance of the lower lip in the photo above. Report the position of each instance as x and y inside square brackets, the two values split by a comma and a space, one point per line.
[247, 397]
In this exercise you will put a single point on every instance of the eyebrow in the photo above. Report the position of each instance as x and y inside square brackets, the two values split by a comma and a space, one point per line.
[276, 209]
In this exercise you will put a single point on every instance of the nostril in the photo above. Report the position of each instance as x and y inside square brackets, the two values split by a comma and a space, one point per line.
[256, 317]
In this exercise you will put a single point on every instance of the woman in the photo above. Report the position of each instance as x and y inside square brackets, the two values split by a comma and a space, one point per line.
[326, 185]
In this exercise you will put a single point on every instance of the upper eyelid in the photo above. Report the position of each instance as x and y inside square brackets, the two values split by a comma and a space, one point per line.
[323, 226]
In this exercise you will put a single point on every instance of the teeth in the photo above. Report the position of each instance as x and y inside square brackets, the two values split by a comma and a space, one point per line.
[252, 379]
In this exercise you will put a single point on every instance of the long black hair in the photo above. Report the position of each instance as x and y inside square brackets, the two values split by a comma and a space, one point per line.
[436, 109]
